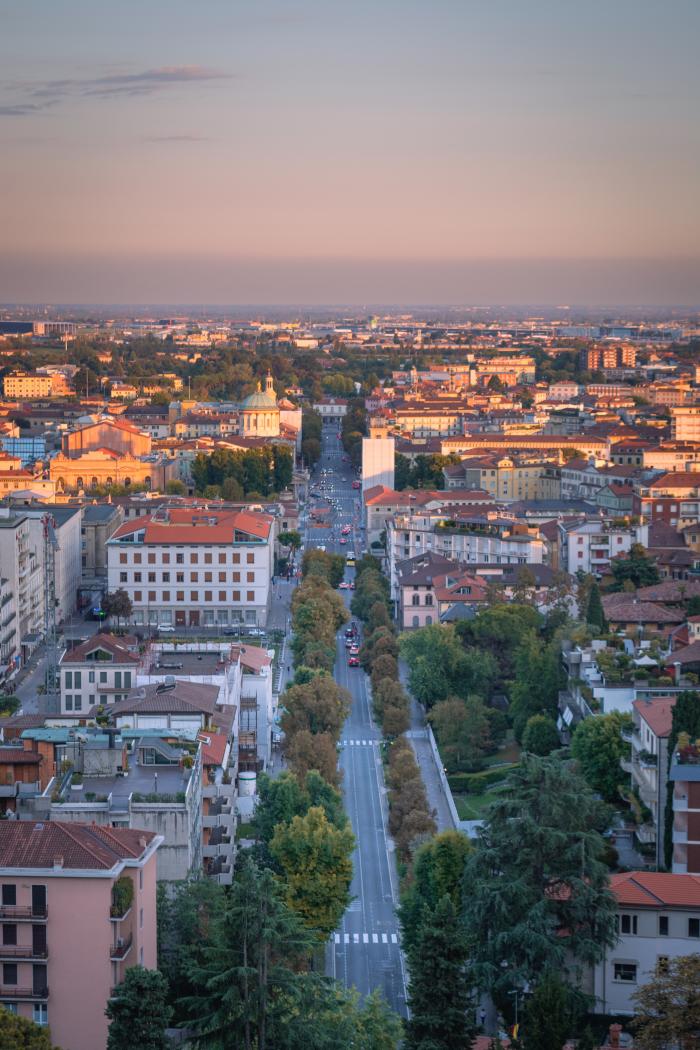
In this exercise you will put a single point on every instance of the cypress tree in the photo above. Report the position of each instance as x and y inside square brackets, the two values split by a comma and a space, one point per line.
[442, 1011]
[595, 615]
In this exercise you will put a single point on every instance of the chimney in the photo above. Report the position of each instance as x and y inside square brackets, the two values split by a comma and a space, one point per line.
[677, 672]
[57, 863]
[142, 842]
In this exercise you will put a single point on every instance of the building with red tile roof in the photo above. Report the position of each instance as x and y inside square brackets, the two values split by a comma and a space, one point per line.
[79, 907]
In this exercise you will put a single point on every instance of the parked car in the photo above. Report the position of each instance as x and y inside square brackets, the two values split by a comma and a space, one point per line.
[353, 661]
[166, 628]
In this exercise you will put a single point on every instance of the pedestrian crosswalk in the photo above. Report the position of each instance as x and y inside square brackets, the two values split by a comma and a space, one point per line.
[360, 743]
[366, 938]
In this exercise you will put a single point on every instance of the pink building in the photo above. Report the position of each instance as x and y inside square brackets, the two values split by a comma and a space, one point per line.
[77, 908]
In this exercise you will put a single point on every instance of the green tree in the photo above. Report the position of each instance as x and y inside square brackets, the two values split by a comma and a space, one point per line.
[316, 859]
[292, 539]
[637, 568]
[595, 615]
[442, 1014]
[285, 797]
[541, 735]
[541, 836]
[378, 1027]
[320, 706]
[245, 977]
[308, 752]
[117, 604]
[439, 666]
[139, 1012]
[598, 747]
[19, 1033]
[668, 1006]
[438, 871]
[538, 677]
[175, 487]
[551, 1014]
[463, 732]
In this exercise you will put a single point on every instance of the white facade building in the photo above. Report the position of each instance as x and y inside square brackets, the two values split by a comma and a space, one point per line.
[592, 545]
[194, 567]
[22, 567]
[658, 920]
[101, 671]
[377, 462]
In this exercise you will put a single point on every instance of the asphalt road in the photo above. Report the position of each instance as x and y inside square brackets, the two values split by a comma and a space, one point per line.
[365, 951]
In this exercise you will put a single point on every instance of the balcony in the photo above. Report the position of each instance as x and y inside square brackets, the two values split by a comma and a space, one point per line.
[646, 834]
[19, 913]
[15, 993]
[22, 951]
[626, 765]
[120, 918]
[627, 733]
[121, 949]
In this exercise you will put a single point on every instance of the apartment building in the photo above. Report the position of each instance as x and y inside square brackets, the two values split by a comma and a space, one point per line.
[99, 672]
[506, 478]
[674, 498]
[485, 540]
[658, 920]
[21, 558]
[591, 545]
[64, 524]
[194, 567]
[56, 970]
[100, 521]
[685, 777]
[647, 764]
[23, 385]
[9, 641]
[685, 423]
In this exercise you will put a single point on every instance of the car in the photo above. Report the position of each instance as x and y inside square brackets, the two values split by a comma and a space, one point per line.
[255, 632]
[344, 585]
[352, 585]
[342, 541]
[166, 628]
[349, 642]
[353, 661]
[354, 650]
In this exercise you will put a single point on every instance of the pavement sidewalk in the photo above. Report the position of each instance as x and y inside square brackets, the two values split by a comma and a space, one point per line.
[418, 736]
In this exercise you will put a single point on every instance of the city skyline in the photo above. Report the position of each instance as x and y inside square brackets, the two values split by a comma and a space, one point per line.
[444, 153]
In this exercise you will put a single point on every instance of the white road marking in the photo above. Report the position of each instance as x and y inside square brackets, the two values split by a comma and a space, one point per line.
[385, 939]
[375, 938]
[365, 938]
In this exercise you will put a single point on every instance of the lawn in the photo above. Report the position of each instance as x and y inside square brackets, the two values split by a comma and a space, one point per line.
[471, 807]
[505, 755]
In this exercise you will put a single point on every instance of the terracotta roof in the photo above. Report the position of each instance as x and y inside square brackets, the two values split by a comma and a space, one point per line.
[670, 591]
[29, 844]
[657, 713]
[625, 607]
[183, 697]
[213, 748]
[108, 642]
[188, 525]
[688, 479]
[656, 889]
[255, 657]
[16, 756]
[689, 655]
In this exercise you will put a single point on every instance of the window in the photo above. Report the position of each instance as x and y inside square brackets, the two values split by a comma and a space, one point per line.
[151, 577]
[235, 598]
[123, 577]
[117, 679]
[179, 577]
[415, 599]
[194, 596]
[222, 557]
[103, 676]
[180, 596]
[166, 577]
[194, 577]
[69, 703]
[137, 577]
[166, 559]
[151, 558]
[207, 596]
[250, 596]
[166, 596]
[140, 918]
[10, 1007]
[41, 1013]
[236, 576]
[137, 596]
[694, 927]
[69, 680]
[151, 596]
[180, 559]
[222, 577]
[207, 577]
[194, 558]
[207, 558]
[78, 703]
[428, 599]
[250, 577]
[137, 559]
[140, 878]
[91, 676]
[663, 925]
[78, 679]
[122, 558]
[9, 894]
[626, 972]
[9, 973]
[236, 558]
[9, 933]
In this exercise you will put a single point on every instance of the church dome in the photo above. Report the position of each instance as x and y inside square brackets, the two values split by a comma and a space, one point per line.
[259, 400]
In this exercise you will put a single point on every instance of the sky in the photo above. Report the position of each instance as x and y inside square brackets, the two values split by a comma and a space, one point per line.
[408, 151]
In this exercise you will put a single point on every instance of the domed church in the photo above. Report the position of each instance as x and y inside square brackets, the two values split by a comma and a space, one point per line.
[260, 413]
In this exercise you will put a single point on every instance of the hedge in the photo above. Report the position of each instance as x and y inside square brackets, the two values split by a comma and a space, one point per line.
[476, 783]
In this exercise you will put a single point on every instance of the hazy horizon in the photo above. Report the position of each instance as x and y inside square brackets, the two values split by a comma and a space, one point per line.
[324, 152]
